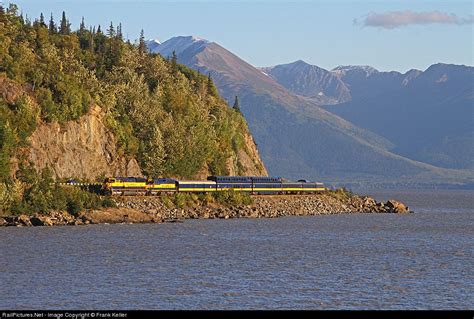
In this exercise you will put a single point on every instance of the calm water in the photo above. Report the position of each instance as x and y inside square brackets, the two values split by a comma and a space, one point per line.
[420, 261]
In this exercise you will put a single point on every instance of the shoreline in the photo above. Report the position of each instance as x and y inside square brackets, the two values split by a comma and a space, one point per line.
[148, 209]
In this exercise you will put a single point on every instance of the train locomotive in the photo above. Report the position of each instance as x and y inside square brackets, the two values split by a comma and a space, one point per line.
[251, 184]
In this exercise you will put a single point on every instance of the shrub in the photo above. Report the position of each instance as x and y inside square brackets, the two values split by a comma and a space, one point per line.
[167, 201]
[108, 202]
[74, 206]
[232, 198]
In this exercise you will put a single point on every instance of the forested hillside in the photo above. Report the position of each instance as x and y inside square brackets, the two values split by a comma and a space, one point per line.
[166, 116]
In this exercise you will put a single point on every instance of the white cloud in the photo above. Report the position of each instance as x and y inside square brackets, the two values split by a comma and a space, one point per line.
[395, 19]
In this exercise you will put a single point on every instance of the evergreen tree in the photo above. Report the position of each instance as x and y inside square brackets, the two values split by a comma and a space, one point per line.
[211, 88]
[82, 26]
[99, 31]
[52, 25]
[27, 21]
[12, 9]
[2, 10]
[236, 106]
[174, 62]
[111, 31]
[141, 43]
[41, 20]
[65, 26]
[119, 32]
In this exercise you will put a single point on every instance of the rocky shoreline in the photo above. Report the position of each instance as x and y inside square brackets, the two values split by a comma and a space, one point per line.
[155, 210]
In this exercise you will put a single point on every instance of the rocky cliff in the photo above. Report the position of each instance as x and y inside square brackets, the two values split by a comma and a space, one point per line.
[82, 149]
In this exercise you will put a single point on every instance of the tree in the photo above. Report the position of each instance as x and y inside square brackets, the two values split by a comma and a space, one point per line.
[237, 105]
[111, 31]
[82, 26]
[41, 20]
[99, 31]
[141, 43]
[65, 26]
[119, 32]
[52, 25]
[211, 88]
[12, 9]
[174, 62]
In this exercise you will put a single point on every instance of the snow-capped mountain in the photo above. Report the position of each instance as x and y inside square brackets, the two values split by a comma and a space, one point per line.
[178, 44]
[152, 44]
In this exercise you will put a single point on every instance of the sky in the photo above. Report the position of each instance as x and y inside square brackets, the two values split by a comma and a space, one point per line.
[388, 35]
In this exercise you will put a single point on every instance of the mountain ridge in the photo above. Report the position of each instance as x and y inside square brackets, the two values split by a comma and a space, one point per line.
[436, 102]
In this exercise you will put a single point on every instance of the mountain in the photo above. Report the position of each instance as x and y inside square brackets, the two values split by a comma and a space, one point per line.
[364, 81]
[321, 86]
[152, 44]
[295, 136]
[177, 44]
[428, 116]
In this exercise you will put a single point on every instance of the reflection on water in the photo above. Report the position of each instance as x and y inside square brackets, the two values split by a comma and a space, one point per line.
[419, 261]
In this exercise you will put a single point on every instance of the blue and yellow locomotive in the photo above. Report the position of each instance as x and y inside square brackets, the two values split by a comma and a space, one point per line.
[251, 184]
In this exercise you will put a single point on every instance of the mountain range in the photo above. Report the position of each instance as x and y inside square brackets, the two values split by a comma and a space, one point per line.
[352, 125]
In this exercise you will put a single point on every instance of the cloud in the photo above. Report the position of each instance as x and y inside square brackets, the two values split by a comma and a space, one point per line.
[395, 19]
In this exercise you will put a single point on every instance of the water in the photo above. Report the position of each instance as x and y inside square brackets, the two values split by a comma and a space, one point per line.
[419, 261]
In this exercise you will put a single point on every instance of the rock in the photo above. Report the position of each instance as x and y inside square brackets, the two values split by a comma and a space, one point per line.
[85, 145]
[157, 220]
[3, 222]
[396, 207]
[23, 220]
[11, 221]
[41, 221]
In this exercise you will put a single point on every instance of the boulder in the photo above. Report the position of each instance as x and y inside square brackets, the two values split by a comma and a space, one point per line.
[3, 222]
[23, 220]
[11, 221]
[41, 221]
[396, 207]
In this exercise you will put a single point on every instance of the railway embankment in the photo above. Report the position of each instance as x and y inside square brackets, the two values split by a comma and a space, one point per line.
[162, 209]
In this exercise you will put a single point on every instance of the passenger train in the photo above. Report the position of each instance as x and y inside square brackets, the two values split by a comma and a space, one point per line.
[250, 184]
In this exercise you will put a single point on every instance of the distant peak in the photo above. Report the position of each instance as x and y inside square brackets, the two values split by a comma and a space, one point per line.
[153, 41]
[189, 38]
[446, 66]
[343, 69]
[177, 44]
[300, 62]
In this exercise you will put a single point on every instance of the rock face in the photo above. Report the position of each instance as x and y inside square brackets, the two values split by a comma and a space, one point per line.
[154, 210]
[83, 149]
[248, 159]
